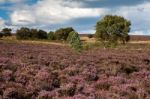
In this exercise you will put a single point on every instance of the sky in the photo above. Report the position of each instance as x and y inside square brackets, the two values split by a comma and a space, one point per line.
[82, 15]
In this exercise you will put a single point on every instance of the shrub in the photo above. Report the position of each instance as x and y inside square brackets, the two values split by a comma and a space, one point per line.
[112, 29]
[62, 33]
[51, 35]
[75, 41]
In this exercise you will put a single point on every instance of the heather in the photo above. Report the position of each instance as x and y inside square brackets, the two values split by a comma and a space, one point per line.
[44, 71]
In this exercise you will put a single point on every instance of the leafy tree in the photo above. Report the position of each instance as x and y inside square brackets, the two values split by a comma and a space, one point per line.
[6, 31]
[23, 33]
[1, 35]
[70, 36]
[34, 33]
[62, 33]
[42, 34]
[90, 36]
[112, 29]
[74, 41]
[51, 35]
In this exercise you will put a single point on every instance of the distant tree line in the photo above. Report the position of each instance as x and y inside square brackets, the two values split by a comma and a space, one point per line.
[63, 34]
[110, 30]
[25, 33]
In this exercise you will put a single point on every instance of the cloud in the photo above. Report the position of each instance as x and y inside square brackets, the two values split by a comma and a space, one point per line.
[137, 33]
[11, 1]
[139, 16]
[53, 12]
[2, 22]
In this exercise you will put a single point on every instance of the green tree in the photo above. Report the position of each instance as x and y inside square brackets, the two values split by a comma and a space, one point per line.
[112, 29]
[42, 34]
[6, 32]
[90, 36]
[62, 33]
[34, 33]
[23, 33]
[74, 41]
[51, 35]
[70, 36]
[1, 35]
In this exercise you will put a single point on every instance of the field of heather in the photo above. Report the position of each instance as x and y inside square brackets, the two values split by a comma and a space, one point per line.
[45, 71]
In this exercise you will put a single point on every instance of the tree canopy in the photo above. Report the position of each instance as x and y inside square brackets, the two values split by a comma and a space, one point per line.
[113, 28]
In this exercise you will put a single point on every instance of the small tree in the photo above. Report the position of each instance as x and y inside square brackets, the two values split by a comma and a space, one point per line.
[62, 33]
[6, 32]
[70, 36]
[51, 35]
[74, 41]
[112, 29]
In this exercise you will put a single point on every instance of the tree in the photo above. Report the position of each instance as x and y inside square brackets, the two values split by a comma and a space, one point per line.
[112, 29]
[90, 36]
[69, 38]
[62, 33]
[1, 35]
[74, 41]
[23, 33]
[51, 35]
[6, 32]
[42, 34]
[34, 33]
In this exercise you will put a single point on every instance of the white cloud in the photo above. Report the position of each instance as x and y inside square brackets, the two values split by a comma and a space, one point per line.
[137, 33]
[139, 16]
[2, 22]
[12, 1]
[53, 12]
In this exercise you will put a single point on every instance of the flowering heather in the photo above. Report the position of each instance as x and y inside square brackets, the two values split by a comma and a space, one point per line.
[36, 71]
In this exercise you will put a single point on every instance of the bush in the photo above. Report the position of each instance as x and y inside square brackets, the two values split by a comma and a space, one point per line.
[74, 41]
[6, 32]
[51, 36]
[112, 29]
[62, 33]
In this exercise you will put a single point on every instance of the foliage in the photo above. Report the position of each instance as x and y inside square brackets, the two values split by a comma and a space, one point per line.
[23, 33]
[26, 33]
[42, 34]
[90, 36]
[112, 29]
[74, 41]
[34, 33]
[6, 32]
[51, 35]
[1, 35]
[62, 33]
